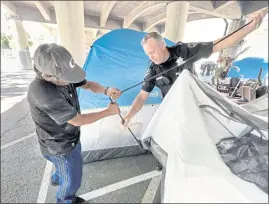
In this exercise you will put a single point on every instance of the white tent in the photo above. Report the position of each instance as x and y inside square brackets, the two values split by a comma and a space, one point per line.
[183, 135]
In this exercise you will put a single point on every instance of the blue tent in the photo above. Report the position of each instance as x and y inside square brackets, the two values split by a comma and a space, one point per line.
[249, 67]
[117, 59]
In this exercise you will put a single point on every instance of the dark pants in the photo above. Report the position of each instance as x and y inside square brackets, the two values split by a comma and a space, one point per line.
[68, 173]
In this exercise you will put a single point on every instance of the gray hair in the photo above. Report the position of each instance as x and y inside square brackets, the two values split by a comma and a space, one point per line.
[154, 35]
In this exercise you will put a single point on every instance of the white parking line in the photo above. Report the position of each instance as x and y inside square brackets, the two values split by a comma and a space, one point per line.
[152, 190]
[119, 185]
[16, 141]
[44, 183]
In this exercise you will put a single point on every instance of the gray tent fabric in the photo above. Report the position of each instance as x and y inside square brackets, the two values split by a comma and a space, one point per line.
[247, 157]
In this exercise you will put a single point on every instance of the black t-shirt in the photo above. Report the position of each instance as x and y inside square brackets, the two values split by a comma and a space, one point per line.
[178, 53]
[51, 107]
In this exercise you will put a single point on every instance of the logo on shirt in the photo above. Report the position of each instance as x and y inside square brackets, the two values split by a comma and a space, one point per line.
[191, 45]
[180, 61]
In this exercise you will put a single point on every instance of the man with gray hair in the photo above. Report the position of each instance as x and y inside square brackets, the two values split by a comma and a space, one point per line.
[164, 58]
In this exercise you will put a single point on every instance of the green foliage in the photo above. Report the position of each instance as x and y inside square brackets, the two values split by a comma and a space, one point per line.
[5, 40]
[30, 42]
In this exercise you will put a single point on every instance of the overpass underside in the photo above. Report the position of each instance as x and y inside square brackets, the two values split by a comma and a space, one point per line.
[79, 23]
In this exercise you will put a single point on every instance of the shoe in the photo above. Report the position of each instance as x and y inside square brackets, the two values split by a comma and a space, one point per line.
[54, 181]
[78, 200]
[159, 167]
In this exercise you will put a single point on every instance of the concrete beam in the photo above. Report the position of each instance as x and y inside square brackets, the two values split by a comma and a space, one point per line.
[208, 5]
[107, 7]
[156, 20]
[43, 10]
[99, 36]
[143, 7]
[32, 14]
[9, 7]
[220, 5]
[153, 29]
[191, 17]
[94, 33]
[213, 13]
[90, 35]
[249, 7]
[198, 16]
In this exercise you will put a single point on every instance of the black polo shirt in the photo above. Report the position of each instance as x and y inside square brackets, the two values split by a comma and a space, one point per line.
[51, 107]
[178, 53]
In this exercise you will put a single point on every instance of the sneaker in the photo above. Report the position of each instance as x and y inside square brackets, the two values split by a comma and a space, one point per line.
[159, 167]
[78, 200]
[54, 180]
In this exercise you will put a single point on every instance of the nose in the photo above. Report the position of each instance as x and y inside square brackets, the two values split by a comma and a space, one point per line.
[151, 57]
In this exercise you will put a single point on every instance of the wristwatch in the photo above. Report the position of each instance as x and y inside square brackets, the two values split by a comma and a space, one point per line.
[106, 89]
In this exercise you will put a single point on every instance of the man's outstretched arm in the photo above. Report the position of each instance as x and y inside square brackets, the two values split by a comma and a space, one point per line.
[97, 88]
[84, 119]
[238, 36]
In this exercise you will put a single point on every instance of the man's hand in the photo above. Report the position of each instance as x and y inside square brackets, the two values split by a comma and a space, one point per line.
[125, 121]
[232, 40]
[257, 19]
[114, 93]
[113, 108]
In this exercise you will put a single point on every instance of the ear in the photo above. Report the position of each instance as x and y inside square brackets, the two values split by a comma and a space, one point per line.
[46, 77]
[163, 46]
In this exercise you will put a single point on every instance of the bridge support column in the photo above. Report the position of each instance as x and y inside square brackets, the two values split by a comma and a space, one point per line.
[70, 20]
[176, 18]
[22, 44]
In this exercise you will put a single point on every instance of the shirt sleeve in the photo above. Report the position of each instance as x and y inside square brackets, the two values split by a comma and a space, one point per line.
[59, 110]
[148, 86]
[82, 83]
[188, 50]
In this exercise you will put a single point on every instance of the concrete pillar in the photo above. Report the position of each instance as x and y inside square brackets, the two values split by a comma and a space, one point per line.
[233, 51]
[70, 21]
[176, 18]
[89, 39]
[22, 44]
[54, 33]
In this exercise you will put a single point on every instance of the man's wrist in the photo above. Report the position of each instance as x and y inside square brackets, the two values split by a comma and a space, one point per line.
[106, 89]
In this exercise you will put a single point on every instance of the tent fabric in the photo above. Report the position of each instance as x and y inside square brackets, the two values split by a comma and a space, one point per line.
[258, 106]
[249, 68]
[186, 128]
[117, 59]
[247, 157]
[106, 139]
